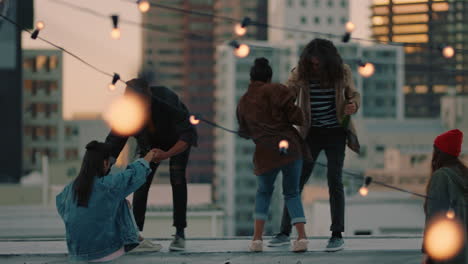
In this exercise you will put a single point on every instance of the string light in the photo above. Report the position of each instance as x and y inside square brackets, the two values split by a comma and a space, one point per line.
[127, 114]
[194, 120]
[39, 26]
[444, 238]
[143, 5]
[283, 147]
[115, 33]
[239, 30]
[349, 29]
[240, 50]
[448, 51]
[364, 190]
[366, 69]
[450, 214]
[115, 78]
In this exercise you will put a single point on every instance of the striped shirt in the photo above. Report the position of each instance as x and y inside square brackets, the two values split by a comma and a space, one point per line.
[322, 106]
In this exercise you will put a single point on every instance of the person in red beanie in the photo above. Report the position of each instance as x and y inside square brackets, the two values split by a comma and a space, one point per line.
[447, 188]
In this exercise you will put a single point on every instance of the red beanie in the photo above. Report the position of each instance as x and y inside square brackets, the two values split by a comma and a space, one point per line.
[450, 142]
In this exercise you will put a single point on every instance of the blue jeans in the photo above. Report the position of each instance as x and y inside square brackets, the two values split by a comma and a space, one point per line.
[292, 197]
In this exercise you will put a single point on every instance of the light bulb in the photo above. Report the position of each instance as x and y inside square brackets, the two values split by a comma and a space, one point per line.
[127, 114]
[448, 52]
[364, 191]
[111, 87]
[367, 70]
[350, 27]
[115, 33]
[242, 51]
[194, 121]
[40, 25]
[239, 30]
[283, 144]
[450, 214]
[444, 238]
[144, 6]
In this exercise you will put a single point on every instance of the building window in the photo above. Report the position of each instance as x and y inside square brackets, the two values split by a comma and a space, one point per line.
[303, 20]
[303, 3]
[330, 3]
[41, 62]
[343, 20]
[317, 3]
[344, 3]
[330, 20]
[290, 3]
[317, 20]
[380, 148]
[53, 62]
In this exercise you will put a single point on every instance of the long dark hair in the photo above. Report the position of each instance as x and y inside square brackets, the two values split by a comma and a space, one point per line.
[92, 166]
[440, 160]
[330, 62]
[261, 70]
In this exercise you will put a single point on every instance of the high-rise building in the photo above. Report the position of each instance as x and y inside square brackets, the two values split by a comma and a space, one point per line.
[324, 16]
[235, 180]
[44, 130]
[185, 65]
[19, 12]
[426, 25]
[239, 9]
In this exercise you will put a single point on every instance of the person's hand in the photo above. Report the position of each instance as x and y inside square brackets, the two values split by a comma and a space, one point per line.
[350, 109]
[150, 156]
[159, 155]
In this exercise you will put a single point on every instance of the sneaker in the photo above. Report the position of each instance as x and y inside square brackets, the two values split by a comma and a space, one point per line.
[300, 245]
[279, 240]
[146, 246]
[178, 244]
[256, 246]
[335, 244]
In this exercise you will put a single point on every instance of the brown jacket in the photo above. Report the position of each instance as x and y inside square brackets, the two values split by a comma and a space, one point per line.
[345, 93]
[267, 114]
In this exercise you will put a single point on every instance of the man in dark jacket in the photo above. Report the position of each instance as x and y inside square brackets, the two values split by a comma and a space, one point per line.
[169, 130]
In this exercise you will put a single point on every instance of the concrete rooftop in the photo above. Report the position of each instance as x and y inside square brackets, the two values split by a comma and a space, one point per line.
[404, 250]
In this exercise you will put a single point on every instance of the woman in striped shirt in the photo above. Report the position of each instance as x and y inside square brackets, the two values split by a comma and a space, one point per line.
[327, 95]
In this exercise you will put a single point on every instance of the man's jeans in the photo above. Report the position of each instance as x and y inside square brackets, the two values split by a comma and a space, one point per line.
[292, 198]
[333, 141]
[177, 169]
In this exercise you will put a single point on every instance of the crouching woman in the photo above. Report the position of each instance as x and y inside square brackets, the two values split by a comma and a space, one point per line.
[98, 222]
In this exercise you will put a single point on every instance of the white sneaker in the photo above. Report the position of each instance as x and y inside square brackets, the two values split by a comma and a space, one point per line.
[146, 246]
[300, 245]
[256, 246]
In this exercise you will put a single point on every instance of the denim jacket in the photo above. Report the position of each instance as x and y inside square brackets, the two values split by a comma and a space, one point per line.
[105, 225]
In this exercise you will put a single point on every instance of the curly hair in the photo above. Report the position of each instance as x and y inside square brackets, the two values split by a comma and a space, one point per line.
[330, 62]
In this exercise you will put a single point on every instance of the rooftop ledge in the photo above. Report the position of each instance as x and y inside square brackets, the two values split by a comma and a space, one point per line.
[231, 251]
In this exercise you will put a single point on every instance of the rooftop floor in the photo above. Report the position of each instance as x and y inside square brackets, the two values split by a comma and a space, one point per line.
[360, 250]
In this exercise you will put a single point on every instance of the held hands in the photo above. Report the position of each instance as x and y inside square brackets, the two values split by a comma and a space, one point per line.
[350, 109]
[159, 155]
[149, 157]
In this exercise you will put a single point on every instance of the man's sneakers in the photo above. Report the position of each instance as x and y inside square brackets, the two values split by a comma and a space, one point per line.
[178, 244]
[146, 246]
[256, 246]
[300, 245]
[279, 240]
[335, 244]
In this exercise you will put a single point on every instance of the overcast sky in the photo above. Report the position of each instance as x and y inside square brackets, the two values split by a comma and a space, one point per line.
[85, 90]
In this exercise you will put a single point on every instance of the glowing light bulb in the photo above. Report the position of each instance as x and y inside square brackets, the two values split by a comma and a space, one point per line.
[448, 52]
[127, 114]
[350, 27]
[194, 121]
[40, 25]
[144, 6]
[283, 144]
[450, 214]
[444, 238]
[115, 33]
[112, 87]
[242, 51]
[367, 70]
[364, 191]
[239, 30]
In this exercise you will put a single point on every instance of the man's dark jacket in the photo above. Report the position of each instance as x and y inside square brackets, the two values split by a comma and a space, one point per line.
[170, 123]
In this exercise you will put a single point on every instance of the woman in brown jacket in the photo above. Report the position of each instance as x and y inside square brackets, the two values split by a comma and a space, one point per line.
[266, 114]
[327, 96]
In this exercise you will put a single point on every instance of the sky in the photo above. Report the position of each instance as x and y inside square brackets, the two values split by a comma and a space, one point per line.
[85, 90]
